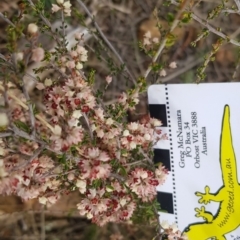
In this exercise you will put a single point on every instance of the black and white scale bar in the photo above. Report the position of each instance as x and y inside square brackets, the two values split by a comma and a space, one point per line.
[166, 199]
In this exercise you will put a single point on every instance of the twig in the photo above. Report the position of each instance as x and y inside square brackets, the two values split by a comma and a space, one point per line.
[88, 125]
[213, 30]
[6, 20]
[118, 177]
[164, 41]
[238, 4]
[3, 58]
[231, 11]
[210, 28]
[30, 108]
[136, 162]
[26, 108]
[106, 40]
[63, 25]
[5, 134]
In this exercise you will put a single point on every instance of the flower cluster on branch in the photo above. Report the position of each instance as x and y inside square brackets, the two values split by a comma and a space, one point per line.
[75, 143]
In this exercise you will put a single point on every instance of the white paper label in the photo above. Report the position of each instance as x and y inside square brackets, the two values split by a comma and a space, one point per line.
[202, 122]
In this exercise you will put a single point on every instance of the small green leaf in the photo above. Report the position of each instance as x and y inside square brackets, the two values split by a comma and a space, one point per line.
[23, 126]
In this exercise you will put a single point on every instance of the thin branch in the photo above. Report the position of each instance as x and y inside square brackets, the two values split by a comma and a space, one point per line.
[30, 108]
[6, 20]
[106, 40]
[88, 125]
[63, 26]
[22, 104]
[3, 58]
[231, 11]
[164, 41]
[210, 28]
[238, 4]
[5, 134]
[215, 31]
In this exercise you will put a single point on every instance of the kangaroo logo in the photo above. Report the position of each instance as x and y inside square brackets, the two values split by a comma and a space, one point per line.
[227, 218]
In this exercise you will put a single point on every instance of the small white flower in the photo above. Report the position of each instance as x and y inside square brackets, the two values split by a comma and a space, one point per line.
[163, 73]
[93, 152]
[70, 64]
[67, 5]
[38, 54]
[67, 12]
[73, 53]
[155, 40]
[57, 130]
[73, 122]
[32, 28]
[55, 8]
[174, 227]
[109, 121]
[147, 136]
[83, 58]
[89, 215]
[60, 2]
[173, 65]
[146, 42]
[165, 224]
[125, 133]
[133, 126]
[123, 202]
[108, 79]
[156, 122]
[19, 56]
[148, 34]
[133, 145]
[93, 127]
[48, 82]
[2, 153]
[70, 176]
[81, 50]
[81, 184]
[108, 189]
[43, 200]
[77, 114]
[3, 120]
[78, 36]
[79, 66]
[100, 133]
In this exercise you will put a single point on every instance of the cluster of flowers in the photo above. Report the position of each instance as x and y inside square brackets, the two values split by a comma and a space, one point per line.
[65, 6]
[84, 146]
[29, 180]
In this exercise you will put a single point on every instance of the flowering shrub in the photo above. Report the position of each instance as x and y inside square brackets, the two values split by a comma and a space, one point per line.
[75, 142]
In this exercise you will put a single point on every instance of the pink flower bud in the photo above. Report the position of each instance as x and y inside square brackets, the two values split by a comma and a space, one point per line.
[37, 54]
[173, 65]
[70, 176]
[32, 28]
[109, 79]
[55, 8]
[70, 64]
